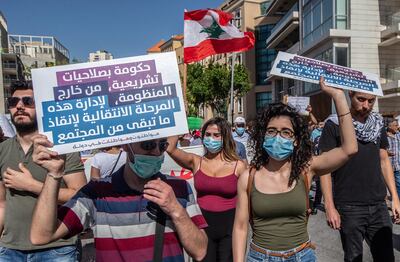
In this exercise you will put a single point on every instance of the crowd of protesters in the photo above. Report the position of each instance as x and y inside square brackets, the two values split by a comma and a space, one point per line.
[254, 174]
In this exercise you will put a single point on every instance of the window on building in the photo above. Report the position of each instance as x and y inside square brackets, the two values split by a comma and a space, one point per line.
[341, 14]
[264, 6]
[237, 20]
[341, 56]
[264, 56]
[240, 105]
[291, 87]
[263, 99]
[317, 17]
[326, 56]
[279, 90]
[239, 59]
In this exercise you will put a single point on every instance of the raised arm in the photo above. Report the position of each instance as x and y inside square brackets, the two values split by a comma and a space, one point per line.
[331, 160]
[241, 224]
[184, 159]
[45, 225]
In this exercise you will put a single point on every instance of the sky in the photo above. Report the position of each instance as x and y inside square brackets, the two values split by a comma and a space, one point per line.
[122, 27]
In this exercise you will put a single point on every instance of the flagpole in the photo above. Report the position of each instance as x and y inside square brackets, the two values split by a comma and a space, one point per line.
[232, 80]
[185, 88]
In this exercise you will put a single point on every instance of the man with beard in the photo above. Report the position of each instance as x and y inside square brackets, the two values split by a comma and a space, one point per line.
[21, 181]
[358, 205]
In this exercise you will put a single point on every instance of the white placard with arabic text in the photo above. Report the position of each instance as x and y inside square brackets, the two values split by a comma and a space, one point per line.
[300, 103]
[93, 105]
[310, 70]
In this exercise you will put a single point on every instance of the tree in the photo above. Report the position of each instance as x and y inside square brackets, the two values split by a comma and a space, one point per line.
[197, 92]
[211, 86]
[217, 79]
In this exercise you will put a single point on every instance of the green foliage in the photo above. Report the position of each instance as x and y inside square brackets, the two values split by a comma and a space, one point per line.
[211, 86]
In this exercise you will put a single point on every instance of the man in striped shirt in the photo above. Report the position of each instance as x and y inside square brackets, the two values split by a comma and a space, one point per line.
[394, 150]
[121, 210]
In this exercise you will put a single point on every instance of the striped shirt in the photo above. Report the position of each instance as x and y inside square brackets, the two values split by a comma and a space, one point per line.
[122, 226]
[394, 147]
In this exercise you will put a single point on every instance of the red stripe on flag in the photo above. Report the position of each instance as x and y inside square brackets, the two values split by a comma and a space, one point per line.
[197, 15]
[213, 46]
[224, 18]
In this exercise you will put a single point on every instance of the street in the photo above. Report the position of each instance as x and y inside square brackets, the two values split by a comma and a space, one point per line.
[328, 244]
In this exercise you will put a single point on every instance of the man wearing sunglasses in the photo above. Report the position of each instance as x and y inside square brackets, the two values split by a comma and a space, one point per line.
[21, 181]
[124, 209]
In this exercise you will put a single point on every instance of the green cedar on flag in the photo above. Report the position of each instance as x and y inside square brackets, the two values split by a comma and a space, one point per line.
[209, 32]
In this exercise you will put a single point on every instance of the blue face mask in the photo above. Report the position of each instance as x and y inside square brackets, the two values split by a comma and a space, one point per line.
[240, 130]
[146, 166]
[213, 146]
[277, 147]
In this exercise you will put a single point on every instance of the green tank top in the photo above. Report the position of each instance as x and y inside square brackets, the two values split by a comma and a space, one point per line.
[280, 221]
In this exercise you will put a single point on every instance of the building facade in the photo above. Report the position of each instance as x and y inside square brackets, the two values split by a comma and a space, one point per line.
[11, 67]
[38, 51]
[249, 16]
[362, 34]
[100, 55]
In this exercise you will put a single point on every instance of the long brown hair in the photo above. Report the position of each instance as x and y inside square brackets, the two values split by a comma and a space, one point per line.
[228, 144]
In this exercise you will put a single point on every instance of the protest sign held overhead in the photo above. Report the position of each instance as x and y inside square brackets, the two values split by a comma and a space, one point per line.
[300, 103]
[310, 70]
[92, 105]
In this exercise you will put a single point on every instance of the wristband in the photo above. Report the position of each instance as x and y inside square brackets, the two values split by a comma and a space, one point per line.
[54, 176]
[344, 114]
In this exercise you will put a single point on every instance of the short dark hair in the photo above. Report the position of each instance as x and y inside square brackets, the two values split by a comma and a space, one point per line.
[21, 85]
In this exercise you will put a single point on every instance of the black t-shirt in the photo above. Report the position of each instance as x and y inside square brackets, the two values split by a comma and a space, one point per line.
[360, 180]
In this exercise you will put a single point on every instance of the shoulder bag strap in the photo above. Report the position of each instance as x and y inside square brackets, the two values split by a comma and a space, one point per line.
[159, 237]
[250, 181]
[116, 162]
[307, 187]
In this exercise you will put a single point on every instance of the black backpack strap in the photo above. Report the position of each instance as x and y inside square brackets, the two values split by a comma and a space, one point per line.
[181, 191]
[159, 237]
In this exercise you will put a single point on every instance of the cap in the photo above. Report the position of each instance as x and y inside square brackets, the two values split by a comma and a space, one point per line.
[239, 119]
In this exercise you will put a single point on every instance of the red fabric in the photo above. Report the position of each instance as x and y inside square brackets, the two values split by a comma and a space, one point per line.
[215, 194]
[212, 46]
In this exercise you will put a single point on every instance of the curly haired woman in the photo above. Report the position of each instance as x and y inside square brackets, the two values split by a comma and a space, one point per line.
[273, 193]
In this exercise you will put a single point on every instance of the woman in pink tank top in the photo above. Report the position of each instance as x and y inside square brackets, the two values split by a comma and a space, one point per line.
[215, 181]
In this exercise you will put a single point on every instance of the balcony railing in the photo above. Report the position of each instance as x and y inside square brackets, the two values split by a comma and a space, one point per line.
[393, 20]
[393, 74]
[9, 66]
[295, 8]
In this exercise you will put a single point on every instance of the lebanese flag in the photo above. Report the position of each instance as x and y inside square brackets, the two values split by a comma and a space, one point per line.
[208, 32]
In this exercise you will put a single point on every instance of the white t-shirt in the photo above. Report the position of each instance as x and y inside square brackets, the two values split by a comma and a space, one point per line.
[106, 161]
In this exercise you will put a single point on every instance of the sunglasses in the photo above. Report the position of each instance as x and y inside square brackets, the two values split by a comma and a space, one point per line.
[151, 145]
[13, 101]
